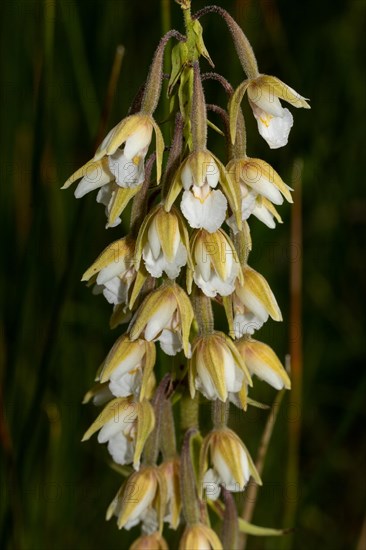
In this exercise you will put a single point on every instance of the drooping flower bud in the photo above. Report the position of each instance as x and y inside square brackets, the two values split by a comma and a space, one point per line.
[154, 541]
[163, 243]
[166, 316]
[125, 424]
[231, 464]
[128, 367]
[216, 368]
[199, 536]
[142, 498]
[262, 361]
[216, 264]
[114, 271]
[253, 303]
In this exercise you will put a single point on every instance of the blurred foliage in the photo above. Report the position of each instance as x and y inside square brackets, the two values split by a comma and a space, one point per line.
[56, 61]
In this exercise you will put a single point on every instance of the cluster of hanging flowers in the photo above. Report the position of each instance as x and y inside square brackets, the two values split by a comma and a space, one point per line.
[187, 247]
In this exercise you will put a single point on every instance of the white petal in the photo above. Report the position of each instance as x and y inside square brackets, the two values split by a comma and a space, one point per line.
[160, 319]
[131, 362]
[102, 396]
[248, 204]
[150, 523]
[203, 381]
[246, 323]
[222, 469]
[212, 174]
[275, 130]
[106, 196]
[260, 369]
[121, 449]
[203, 263]
[209, 214]
[233, 375]
[211, 484]
[126, 384]
[214, 285]
[170, 342]
[264, 215]
[143, 502]
[255, 305]
[115, 291]
[138, 142]
[93, 180]
[128, 173]
[111, 428]
[263, 186]
[263, 99]
[186, 176]
[111, 270]
[154, 241]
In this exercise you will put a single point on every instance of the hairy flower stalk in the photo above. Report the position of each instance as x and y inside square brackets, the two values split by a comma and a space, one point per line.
[188, 247]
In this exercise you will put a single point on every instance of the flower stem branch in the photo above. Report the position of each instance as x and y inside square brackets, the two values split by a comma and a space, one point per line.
[242, 44]
[154, 80]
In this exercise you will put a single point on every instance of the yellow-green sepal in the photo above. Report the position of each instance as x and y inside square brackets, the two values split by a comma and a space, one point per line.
[234, 106]
[145, 425]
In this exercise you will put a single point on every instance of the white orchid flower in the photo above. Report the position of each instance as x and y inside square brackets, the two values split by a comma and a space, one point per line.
[231, 464]
[202, 204]
[215, 368]
[253, 303]
[216, 264]
[166, 316]
[264, 94]
[163, 243]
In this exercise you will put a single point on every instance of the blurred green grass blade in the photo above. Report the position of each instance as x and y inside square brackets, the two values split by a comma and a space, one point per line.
[85, 85]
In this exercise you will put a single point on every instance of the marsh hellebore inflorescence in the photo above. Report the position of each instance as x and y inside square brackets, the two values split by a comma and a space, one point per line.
[188, 245]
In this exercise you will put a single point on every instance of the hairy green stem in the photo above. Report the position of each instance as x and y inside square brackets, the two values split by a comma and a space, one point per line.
[190, 502]
[203, 312]
[242, 44]
[220, 413]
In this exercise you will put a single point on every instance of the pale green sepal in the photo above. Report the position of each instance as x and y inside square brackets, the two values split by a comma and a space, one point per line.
[234, 106]
[256, 530]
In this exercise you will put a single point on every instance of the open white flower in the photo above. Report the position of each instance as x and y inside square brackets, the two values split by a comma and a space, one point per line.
[119, 172]
[262, 361]
[264, 94]
[231, 464]
[260, 187]
[129, 368]
[166, 316]
[163, 243]
[216, 264]
[125, 425]
[253, 303]
[149, 487]
[274, 121]
[114, 271]
[202, 204]
[215, 368]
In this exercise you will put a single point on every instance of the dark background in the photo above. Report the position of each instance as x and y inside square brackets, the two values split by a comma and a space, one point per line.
[56, 62]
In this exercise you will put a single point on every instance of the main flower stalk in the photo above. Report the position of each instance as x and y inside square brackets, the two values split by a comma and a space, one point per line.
[184, 259]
